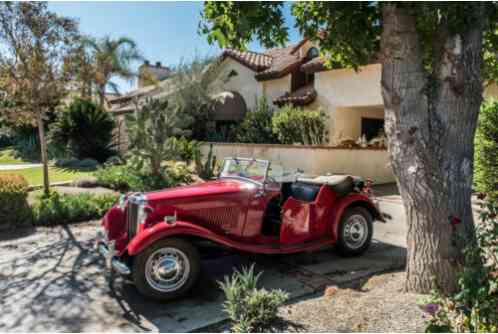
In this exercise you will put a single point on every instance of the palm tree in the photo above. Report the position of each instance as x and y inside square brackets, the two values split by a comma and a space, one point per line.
[111, 57]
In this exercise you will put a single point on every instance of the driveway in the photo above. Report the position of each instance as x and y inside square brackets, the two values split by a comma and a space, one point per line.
[52, 280]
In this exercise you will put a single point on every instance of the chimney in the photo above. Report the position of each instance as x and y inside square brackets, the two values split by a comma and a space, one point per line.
[158, 64]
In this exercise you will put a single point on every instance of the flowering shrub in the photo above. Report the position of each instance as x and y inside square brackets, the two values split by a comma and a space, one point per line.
[250, 309]
[475, 307]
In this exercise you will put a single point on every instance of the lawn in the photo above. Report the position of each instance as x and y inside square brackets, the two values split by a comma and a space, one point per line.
[34, 175]
[7, 157]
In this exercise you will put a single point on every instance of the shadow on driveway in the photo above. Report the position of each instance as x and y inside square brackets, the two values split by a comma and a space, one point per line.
[58, 283]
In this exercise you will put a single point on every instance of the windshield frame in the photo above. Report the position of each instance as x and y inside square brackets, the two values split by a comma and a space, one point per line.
[261, 183]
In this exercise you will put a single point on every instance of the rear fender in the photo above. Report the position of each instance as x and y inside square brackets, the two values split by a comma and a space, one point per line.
[163, 230]
[348, 202]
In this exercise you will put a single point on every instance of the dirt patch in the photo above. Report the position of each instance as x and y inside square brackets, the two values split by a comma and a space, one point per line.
[376, 305]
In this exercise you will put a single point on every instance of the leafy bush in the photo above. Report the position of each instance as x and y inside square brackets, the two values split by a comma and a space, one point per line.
[187, 149]
[474, 307]
[250, 309]
[64, 208]
[85, 130]
[208, 169]
[486, 150]
[26, 144]
[295, 125]
[257, 125]
[130, 178]
[14, 208]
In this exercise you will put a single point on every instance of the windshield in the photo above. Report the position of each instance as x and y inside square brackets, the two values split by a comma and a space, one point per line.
[255, 170]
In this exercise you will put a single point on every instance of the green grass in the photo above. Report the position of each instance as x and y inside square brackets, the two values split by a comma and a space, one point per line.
[34, 175]
[7, 157]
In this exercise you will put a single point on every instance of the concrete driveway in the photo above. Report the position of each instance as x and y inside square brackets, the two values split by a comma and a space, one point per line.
[53, 281]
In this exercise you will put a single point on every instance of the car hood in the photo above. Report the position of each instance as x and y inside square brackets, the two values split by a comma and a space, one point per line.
[221, 186]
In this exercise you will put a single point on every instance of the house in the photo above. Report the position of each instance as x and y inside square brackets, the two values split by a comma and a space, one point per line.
[295, 74]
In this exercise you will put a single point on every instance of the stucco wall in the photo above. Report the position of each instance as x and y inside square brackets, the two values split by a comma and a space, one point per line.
[373, 164]
[348, 121]
[276, 88]
[244, 82]
[347, 88]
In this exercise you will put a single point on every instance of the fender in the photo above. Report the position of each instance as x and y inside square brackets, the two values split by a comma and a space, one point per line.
[162, 230]
[349, 201]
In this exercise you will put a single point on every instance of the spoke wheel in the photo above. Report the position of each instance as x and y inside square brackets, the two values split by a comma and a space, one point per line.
[355, 231]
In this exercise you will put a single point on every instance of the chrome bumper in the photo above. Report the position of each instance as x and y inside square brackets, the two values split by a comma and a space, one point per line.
[107, 250]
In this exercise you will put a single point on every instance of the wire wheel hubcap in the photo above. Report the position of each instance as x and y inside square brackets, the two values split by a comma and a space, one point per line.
[356, 231]
[167, 269]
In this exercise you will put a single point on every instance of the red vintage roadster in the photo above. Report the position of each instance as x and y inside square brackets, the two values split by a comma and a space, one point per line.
[254, 206]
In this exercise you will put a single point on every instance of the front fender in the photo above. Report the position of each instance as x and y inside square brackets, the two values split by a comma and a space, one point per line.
[162, 230]
[351, 201]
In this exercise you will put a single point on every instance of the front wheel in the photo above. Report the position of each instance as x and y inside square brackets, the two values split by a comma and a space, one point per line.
[166, 270]
[355, 231]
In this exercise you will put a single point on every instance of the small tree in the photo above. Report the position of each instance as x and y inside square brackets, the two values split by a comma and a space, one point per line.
[152, 130]
[36, 49]
[486, 150]
[85, 130]
[194, 86]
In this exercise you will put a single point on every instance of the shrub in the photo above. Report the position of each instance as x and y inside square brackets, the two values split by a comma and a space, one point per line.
[486, 150]
[187, 149]
[65, 208]
[86, 182]
[14, 208]
[257, 125]
[474, 307]
[250, 309]
[85, 130]
[295, 125]
[130, 178]
[26, 144]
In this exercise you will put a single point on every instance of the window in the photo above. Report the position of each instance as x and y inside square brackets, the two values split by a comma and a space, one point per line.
[371, 127]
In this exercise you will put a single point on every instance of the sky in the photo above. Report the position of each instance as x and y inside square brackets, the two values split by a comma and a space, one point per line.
[164, 31]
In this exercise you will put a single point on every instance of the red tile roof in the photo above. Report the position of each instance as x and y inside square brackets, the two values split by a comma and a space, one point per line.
[253, 60]
[301, 97]
[272, 64]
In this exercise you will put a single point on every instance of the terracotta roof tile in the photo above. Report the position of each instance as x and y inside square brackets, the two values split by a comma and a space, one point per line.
[253, 60]
[301, 97]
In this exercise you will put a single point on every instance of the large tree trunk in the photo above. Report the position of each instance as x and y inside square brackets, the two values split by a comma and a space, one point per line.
[43, 148]
[430, 122]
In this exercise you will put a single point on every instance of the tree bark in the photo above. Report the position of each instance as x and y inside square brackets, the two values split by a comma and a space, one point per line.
[101, 96]
[430, 121]
[43, 148]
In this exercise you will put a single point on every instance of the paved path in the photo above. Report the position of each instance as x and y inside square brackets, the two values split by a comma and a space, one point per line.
[52, 280]
[18, 166]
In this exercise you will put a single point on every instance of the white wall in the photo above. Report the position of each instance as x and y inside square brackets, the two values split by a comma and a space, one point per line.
[275, 88]
[244, 82]
[347, 88]
[369, 163]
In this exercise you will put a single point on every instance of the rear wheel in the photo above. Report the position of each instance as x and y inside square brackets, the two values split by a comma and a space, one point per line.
[167, 269]
[355, 231]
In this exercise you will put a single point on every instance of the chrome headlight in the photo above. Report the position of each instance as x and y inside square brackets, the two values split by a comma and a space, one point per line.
[141, 214]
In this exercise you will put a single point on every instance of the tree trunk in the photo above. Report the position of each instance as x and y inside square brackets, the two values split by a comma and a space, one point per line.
[43, 148]
[101, 89]
[430, 122]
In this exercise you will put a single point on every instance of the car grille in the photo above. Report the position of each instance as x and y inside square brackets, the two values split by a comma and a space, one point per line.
[132, 219]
